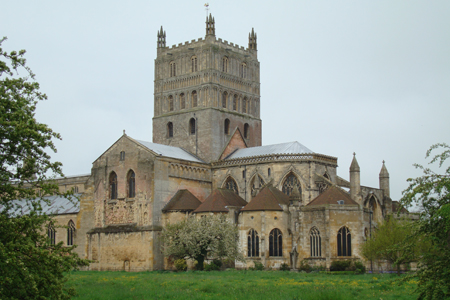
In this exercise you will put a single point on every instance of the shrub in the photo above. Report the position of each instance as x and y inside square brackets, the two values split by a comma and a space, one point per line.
[180, 264]
[284, 267]
[258, 266]
[305, 267]
[360, 268]
[213, 266]
[340, 265]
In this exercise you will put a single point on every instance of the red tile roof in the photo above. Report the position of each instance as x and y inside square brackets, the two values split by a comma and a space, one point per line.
[183, 200]
[331, 196]
[219, 200]
[269, 198]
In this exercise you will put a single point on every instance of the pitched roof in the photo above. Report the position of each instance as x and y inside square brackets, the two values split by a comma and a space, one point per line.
[269, 198]
[235, 142]
[284, 148]
[219, 200]
[170, 151]
[183, 200]
[331, 196]
[57, 205]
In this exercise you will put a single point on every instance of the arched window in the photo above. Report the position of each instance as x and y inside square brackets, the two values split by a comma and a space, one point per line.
[113, 185]
[224, 100]
[289, 183]
[192, 127]
[244, 105]
[344, 242]
[225, 64]
[70, 233]
[194, 63]
[252, 243]
[257, 184]
[315, 242]
[51, 233]
[231, 185]
[235, 101]
[243, 70]
[131, 184]
[122, 155]
[170, 103]
[275, 243]
[246, 127]
[182, 101]
[268, 172]
[227, 126]
[172, 68]
[194, 99]
[170, 129]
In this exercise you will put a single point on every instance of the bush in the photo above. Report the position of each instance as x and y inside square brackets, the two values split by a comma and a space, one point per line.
[305, 267]
[180, 264]
[340, 265]
[284, 267]
[258, 266]
[360, 267]
[213, 266]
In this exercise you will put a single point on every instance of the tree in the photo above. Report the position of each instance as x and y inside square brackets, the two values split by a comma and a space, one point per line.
[431, 192]
[392, 241]
[30, 266]
[202, 238]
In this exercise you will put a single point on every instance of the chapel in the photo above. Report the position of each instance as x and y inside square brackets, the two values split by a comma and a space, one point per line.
[207, 157]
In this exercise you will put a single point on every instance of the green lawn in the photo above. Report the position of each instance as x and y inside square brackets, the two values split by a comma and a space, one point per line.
[237, 285]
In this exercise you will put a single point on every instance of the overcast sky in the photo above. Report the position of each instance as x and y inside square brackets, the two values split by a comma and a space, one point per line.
[371, 77]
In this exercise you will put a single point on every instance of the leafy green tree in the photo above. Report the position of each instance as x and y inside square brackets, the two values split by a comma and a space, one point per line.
[392, 241]
[30, 266]
[431, 192]
[202, 238]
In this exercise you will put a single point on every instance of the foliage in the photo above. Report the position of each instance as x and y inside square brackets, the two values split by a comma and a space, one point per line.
[392, 241]
[30, 266]
[202, 238]
[236, 284]
[340, 265]
[214, 265]
[431, 192]
[258, 266]
[180, 264]
[284, 267]
[360, 268]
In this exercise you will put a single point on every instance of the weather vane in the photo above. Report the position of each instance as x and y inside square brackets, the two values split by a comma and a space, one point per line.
[207, 8]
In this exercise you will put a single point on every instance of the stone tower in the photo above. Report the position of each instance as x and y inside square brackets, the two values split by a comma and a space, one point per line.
[204, 90]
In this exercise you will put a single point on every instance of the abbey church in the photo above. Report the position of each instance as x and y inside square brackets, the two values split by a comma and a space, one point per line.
[206, 157]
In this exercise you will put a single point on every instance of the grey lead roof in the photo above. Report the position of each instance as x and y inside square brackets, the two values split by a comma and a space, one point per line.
[284, 148]
[58, 205]
[170, 151]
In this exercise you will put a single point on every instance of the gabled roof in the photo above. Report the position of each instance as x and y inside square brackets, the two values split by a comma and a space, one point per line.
[331, 196]
[269, 198]
[219, 200]
[285, 148]
[183, 200]
[170, 151]
[235, 142]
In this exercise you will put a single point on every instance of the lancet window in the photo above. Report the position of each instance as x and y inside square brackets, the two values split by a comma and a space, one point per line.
[243, 70]
[276, 243]
[227, 126]
[182, 101]
[70, 233]
[113, 185]
[194, 63]
[170, 129]
[192, 127]
[194, 99]
[252, 243]
[131, 184]
[315, 242]
[235, 101]
[225, 64]
[224, 100]
[172, 68]
[170, 103]
[51, 233]
[344, 242]
[246, 129]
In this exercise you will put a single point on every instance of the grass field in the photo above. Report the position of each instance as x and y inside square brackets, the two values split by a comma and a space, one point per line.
[238, 285]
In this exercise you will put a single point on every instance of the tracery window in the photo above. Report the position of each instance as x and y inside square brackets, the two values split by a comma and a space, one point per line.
[252, 243]
[315, 242]
[113, 185]
[51, 233]
[131, 184]
[344, 242]
[170, 129]
[172, 68]
[246, 128]
[289, 183]
[170, 103]
[194, 63]
[225, 64]
[70, 233]
[244, 105]
[275, 243]
[243, 70]
[192, 127]
[224, 100]
[182, 101]
[227, 126]
[257, 184]
[194, 99]
[235, 101]
[231, 185]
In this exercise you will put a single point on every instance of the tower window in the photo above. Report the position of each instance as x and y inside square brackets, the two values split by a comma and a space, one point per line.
[235, 100]
[243, 70]
[122, 155]
[227, 126]
[70, 233]
[194, 63]
[194, 99]
[224, 100]
[131, 184]
[172, 68]
[182, 101]
[268, 171]
[244, 105]
[170, 103]
[170, 129]
[225, 64]
[192, 127]
[246, 128]
[113, 185]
